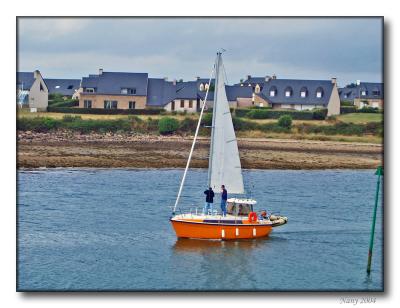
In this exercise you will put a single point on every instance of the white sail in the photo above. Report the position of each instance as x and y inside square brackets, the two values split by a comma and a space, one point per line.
[224, 163]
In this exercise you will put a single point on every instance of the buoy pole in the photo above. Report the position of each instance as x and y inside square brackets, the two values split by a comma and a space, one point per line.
[379, 173]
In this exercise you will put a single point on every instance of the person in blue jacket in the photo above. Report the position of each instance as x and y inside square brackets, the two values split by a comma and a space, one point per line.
[209, 200]
[224, 197]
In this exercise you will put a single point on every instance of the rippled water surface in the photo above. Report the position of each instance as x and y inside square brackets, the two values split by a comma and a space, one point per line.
[84, 229]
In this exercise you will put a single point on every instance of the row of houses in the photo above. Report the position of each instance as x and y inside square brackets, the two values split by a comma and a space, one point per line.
[120, 90]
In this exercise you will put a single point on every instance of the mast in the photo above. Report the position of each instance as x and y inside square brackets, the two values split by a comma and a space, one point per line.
[217, 68]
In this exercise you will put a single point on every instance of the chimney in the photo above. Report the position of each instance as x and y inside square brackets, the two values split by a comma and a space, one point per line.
[333, 79]
[36, 74]
[197, 78]
[273, 76]
[267, 78]
[248, 77]
[166, 78]
[100, 71]
[358, 82]
[174, 82]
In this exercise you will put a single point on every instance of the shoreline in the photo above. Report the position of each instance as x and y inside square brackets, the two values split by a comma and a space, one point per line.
[71, 150]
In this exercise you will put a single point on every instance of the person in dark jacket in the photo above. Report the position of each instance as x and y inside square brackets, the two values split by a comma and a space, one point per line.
[209, 200]
[224, 197]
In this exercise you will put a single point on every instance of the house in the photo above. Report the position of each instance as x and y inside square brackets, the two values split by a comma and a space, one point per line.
[363, 94]
[190, 94]
[32, 91]
[114, 90]
[294, 94]
[66, 87]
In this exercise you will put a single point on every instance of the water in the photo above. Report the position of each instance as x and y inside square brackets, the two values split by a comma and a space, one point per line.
[109, 230]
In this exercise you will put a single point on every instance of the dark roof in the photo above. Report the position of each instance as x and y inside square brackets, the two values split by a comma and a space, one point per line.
[113, 82]
[160, 92]
[280, 85]
[62, 86]
[254, 81]
[351, 93]
[25, 80]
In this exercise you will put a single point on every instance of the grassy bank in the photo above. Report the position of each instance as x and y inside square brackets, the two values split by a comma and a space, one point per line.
[358, 127]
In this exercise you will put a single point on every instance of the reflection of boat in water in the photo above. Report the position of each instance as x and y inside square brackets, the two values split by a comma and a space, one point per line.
[241, 222]
[201, 245]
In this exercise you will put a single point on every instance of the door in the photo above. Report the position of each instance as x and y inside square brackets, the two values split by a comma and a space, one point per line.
[172, 105]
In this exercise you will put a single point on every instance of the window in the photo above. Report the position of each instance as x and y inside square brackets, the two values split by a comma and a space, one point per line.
[57, 87]
[319, 92]
[272, 93]
[288, 92]
[110, 104]
[132, 105]
[70, 87]
[201, 88]
[190, 104]
[87, 103]
[363, 92]
[206, 86]
[41, 87]
[303, 92]
[182, 103]
[376, 92]
[128, 90]
[89, 90]
[257, 89]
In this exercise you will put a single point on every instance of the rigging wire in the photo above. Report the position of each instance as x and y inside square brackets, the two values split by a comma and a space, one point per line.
[193, 144]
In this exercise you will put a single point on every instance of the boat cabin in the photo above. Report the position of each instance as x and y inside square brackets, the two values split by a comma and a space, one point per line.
[240, 207]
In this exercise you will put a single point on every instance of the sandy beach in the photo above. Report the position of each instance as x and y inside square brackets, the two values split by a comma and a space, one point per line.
[66, 149]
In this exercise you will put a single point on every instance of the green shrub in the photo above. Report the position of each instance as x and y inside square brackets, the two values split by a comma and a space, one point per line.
[188, 125]
[241, 112]
[258, 114]
[168, 125]
[285, 121]
[368, 109]
[206, 120]
[320, 113]
[348, 109]
[346, 103]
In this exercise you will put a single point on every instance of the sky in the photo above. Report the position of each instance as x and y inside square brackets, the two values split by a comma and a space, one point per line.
[349, 49]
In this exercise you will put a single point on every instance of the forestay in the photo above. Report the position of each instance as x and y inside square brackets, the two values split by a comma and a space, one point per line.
[224, 162]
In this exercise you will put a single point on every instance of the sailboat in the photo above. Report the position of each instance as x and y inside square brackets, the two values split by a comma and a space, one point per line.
[224, 168]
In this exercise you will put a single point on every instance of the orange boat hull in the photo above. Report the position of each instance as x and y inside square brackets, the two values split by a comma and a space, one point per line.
[200, 230]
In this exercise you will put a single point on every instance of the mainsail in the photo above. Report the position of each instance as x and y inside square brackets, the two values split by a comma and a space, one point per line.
[224, 162]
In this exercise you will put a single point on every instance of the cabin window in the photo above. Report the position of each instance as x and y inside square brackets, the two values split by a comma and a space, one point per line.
[190, 104]
[110, 104]
[87, 103]
[132, 105]
[182, 103]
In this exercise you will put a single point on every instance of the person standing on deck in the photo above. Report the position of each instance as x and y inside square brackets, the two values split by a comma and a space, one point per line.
[209, 200]
[224, 197]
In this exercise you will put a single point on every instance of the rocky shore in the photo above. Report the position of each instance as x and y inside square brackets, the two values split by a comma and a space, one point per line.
[69, 149]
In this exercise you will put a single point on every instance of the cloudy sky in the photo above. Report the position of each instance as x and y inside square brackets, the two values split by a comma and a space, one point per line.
[348, 49]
